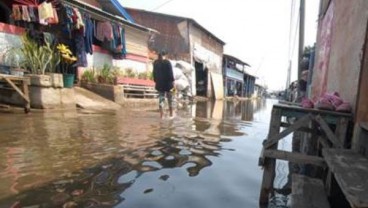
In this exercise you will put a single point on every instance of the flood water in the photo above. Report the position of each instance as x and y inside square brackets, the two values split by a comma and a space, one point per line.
[205, 157]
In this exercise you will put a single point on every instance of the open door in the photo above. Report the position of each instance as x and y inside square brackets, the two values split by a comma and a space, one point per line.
[201, 79]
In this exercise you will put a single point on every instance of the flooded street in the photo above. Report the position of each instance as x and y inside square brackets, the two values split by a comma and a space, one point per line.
[207, 156]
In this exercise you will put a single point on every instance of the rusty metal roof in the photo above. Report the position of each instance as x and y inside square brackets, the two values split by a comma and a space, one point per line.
[181, 18]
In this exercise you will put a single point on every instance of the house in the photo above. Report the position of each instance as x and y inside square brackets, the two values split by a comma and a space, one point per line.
[135, 36]
[185, 39]
[341, 62]
[126, 46]
[237, 81]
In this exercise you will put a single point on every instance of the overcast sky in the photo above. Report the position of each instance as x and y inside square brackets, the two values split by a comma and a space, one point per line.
[255, 31]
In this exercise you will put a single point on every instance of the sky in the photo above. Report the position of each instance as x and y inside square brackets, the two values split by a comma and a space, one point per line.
[255, 31]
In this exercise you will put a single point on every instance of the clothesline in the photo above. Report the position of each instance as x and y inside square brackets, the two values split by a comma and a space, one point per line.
[104, 15]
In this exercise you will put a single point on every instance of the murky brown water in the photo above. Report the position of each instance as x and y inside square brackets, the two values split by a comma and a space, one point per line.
[205, 157]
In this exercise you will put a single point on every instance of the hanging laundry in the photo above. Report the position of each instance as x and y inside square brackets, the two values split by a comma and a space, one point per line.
[120, 49]
[45, 11]
[77, 20]
[17, 15]
[33, 14]
[88, 34]
[25, 14]
[54, 19]
[104, 30]
[68, 20]
[80, 50]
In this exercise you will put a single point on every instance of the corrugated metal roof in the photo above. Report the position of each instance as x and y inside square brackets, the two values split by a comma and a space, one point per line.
[182, 18]
[114, 7]
[236, 59]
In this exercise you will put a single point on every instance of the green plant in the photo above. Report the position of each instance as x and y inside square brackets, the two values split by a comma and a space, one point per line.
[129, 72]
[36, 58]
[89, 76]
[105, 75]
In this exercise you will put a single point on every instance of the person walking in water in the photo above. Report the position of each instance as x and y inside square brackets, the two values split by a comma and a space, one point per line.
[164, 79]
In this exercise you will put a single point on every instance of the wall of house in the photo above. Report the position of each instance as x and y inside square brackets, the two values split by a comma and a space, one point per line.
[362, 103]
[206, 48]
[9, 37]
[173, 34]
[339, 50]
[209, 51]
[137, 57]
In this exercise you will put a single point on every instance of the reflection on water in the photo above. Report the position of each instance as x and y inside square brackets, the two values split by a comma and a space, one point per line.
[205, 157]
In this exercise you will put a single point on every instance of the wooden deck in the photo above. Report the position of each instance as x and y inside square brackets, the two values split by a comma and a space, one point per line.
[313, 121]
[20, 85]
[350, 170]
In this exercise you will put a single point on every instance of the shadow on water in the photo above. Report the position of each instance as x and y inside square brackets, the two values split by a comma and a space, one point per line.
[198, 159]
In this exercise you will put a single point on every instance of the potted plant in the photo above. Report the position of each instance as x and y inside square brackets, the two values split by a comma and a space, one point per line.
[67, 59]
[37, 59]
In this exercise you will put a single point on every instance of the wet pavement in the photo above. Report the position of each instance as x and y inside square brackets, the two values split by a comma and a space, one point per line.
[205, 157]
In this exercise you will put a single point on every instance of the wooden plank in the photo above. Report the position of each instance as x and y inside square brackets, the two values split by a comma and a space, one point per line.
[270, 163]
[364, 126]
[302, 122]
[311, 110]
[330, 135]
[308, 193]
[351, 173]
[341, 130]
[303, 129]
[15, 78]
[324, 142]
[289, 103]
[295, 157]
[16, 89]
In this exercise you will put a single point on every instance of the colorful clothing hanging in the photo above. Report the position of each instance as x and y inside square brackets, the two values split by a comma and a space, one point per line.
[88, 33]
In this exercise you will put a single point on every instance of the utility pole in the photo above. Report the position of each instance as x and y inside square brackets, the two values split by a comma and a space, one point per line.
[288, 78]
[301, 37]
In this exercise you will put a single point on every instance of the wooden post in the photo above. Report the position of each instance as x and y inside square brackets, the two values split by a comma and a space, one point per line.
[27, 107]
[340, 131]
[270, 163]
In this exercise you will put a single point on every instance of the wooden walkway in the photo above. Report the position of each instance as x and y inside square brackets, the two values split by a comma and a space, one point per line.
[20, 85]
[313, 121]
[350, 170]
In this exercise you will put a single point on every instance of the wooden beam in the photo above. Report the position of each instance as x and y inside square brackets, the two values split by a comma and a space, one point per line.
[270, 163]
[330, 135]
[303, 129]
[302, 122]
[341, 130]
[295, 157]
[16, 89]
[324, 142]
[27, 106]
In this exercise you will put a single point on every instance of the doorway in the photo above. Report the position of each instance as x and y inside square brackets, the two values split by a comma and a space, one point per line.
[4, 13]
[201, 79]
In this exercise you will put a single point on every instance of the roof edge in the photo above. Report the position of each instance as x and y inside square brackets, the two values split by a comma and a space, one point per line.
[182, 18]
